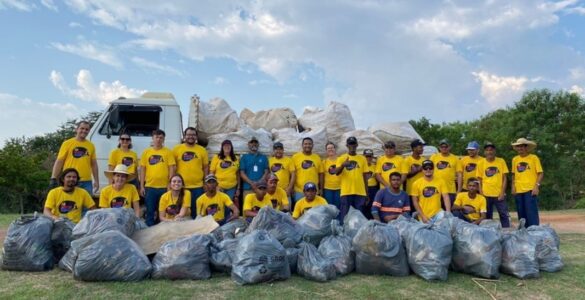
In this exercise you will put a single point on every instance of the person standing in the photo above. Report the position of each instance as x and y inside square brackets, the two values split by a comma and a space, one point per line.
[527, 175]
[253, 167]
[412, 168]
[120, 193]
[427, 193]
[391, 202]
[192, 164]
[492, 173]
[157, 167]
[78, 153]
[283, 167]
[68, 200]
[447, 168]
[468, 164]
[372, 187]
[225, 166]
[352, 168]
[332, 182]
[174, 205]
[124, 155]
[308, 169]
[388, 164]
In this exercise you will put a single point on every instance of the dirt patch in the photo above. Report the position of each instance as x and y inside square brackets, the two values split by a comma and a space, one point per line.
[564, 223]
[2, 235]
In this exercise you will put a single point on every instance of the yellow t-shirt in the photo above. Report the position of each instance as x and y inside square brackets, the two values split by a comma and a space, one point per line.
[479, 204]
[251, 202]
[332, 181]
[372, 181]
[492, 174]
[129, 159]
[110, 198]
[388, 165]
[303, 205]
[191, 160]
[430, 195]
[446, 168]
[525, 171]
[468, 167]
[407, 165]
[169, 205]
[214, 206]
[283, 168]
[68, 205]
[77, 155]
[307, 169]
[226, 171]
[156, 163]
[279, 199]
[352, 176]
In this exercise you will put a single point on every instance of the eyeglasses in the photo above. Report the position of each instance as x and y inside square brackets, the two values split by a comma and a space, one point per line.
[125, 139]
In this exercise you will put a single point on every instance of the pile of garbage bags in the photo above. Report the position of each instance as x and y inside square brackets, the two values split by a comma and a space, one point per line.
[28, 246]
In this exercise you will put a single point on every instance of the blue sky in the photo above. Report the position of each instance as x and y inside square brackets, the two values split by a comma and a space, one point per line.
[387, 60]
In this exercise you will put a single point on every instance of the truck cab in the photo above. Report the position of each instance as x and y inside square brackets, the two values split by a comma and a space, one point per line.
[137, 117]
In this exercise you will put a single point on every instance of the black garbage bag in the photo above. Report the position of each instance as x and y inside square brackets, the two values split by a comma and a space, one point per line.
[230, 230]
[280, 225]
[221, 254]
[476, 250]
[379, 250]
[519, 254]
[259, 258]
[353, 221]
[67, 262]
[314, 266]
[27, 246]
[292, 255]
[184, 258]
[61, 237]
[109, 256]
[102, 220]
[337, 249]
[316, 223]
[547, 248]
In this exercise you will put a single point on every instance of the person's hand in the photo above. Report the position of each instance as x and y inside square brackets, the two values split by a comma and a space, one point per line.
[476, 222]
[289, 191]
[142, 191]
[513, 190]
[468, 209]
[53, 183]
[346, 162]
[535, 190]
[502, 196]
[96, 187]
[425, 219]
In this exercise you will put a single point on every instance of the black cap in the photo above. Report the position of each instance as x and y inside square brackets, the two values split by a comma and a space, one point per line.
[416, 143]
[253, 140]
[368, 152]
[389, 144]
[278, 145]
[309, 186]
[261, 184]
[428, 163]
[351, 140]
[489, 144]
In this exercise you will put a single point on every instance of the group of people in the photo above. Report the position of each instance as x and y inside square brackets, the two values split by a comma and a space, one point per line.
[182, 182]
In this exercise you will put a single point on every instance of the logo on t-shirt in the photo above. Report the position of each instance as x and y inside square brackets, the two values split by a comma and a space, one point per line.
[352, 165]
[414, 167]
[225, 164]
[523, 166]
[276, 167]
[255, 208]
[172, 210]
[429, 191]
[274, 203]
[307, 164]
[79, 152]
[332, 170]
[212, 209]
[388, 166]
[188, 156]
[154, 159]
[470, 167]
[442, 165]
[491, 171]
[67, 206]
[118, 202]
[127, 161]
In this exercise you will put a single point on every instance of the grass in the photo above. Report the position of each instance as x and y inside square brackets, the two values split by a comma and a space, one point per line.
[6, 219]
[58, 284]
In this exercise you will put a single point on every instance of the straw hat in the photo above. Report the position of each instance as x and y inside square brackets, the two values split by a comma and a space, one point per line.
[120, 169]
[530, 145]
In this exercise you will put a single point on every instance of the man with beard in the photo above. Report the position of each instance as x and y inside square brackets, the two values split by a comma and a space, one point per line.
[277, 195]
[192, 164]
[214, 203]
[283, 168]
[352, 169]
[78, 153]
[527, 175]
[468, 163]
[120, 194]
[447, 168]
[308, 169]
[253, 167]
[427, 193]
[492, 173]
[68, 200]
[388, 164]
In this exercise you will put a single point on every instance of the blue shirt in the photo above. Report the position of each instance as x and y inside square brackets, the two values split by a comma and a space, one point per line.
[254, 166]
[387, 203]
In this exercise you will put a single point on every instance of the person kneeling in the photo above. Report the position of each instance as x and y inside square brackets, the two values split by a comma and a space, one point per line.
[174, 205]
[391, 202]
[255, 201]
[470, 206]
[309, 201]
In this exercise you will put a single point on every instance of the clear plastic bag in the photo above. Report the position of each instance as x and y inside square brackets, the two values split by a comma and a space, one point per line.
[280, 225]
[519, 254]
[316, 223]
[353, 221]
[102, 220]
[221, 255]
[230, 230]
[27, 246]
[337, 249]
[476, 250]
[312, 265]
[547, 248]
[184, 258]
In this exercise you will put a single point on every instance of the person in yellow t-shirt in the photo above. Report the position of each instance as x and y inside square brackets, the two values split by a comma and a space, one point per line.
[447, 168]
[120, 194]
[255, 201]
[68, 200]
[226, 167]
[276, 195]
[215, 203]
[157, 166]
[193, 164]
[527, 175]
[352, 169]
[308, 169]
[174, 205]
[283, 167]
[492, 174]
[332, 182]
[427, 193]
[468, 164]
[78, 153]
[412, 168]
[372, 187]
[309, 201]
[388, 164]
[124, 155]
[470, 206]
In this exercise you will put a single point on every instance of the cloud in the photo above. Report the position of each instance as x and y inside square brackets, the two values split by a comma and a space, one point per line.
[103, 54]
[220, 80]
[499, 91]
[577, 90]
[16, 4]
[87, 90]
[50, 5]
[75, 25]
[150, 65]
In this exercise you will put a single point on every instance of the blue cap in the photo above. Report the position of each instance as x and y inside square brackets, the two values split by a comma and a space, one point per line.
[473, 145]
[309, 186]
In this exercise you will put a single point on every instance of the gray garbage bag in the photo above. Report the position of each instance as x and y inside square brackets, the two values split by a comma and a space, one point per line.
[67, 262]
[101, 220]
[547, 248]
[109, 256]
[221, 255]
[61, 237]
[316, 223]
[27, 246]
[259, 258]
[230, 230]
[493, 224]
[476, 250]
[519, 254]
[292, 255]
[312, 265]
[353, 221]
[379, 250]
[337, 249]
[280, 225]
[139, 224]
[183, 258]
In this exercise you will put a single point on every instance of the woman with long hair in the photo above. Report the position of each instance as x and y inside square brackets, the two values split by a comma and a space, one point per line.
[225, 166]
[332, 186]
[125, 156]
[175, 203]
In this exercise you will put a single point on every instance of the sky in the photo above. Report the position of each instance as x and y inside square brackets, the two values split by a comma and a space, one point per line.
[387, 60]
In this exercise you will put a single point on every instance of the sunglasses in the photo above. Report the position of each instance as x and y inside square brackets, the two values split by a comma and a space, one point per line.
[125, 139]
[428, 168]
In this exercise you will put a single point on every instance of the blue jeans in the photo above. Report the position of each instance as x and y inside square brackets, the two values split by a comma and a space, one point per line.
[452, 197]
[527, 206]
[195, 193]
[151, 199]
[333, 198]
[502, 208]
[367, 210]
[460, 215]
[357, 201]
[86, 185]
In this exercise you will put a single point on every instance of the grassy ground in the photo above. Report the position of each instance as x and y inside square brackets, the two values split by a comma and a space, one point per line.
[57, 284]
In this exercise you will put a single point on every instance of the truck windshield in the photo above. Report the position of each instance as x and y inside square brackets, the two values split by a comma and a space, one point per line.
[132, 119]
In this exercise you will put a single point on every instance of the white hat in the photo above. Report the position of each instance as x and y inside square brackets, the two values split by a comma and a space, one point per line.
[530, 145]
[120, 169]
